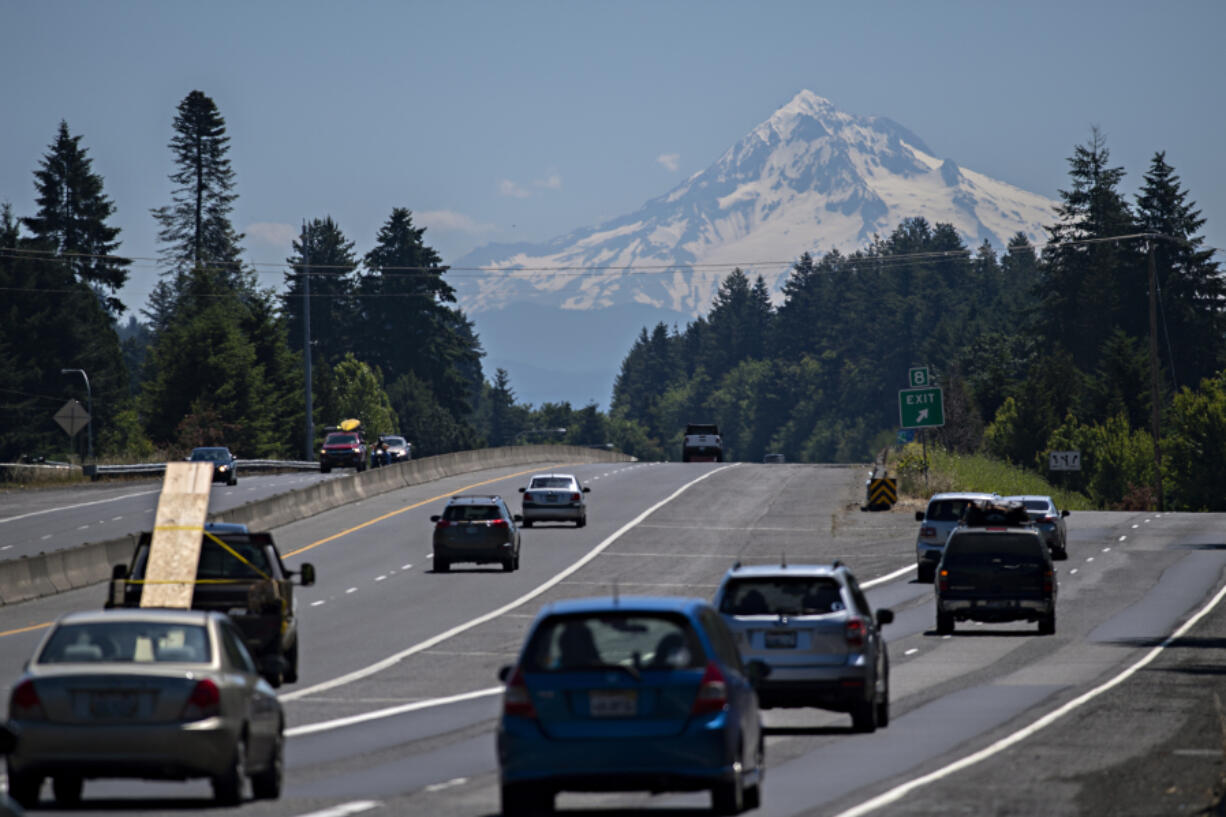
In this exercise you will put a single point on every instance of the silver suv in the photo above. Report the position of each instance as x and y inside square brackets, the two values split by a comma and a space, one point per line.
[936, 523]
[812, 625]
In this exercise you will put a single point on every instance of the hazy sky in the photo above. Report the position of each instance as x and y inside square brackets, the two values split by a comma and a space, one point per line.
[520, 121]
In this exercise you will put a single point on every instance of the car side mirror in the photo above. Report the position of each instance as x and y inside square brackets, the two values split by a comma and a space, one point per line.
[435, 518]
[521, 490]
[586, 490]
[518, 518]
[1064, 513]
[119, 572]
[919, 516]
[307, 574]
[504, 672]
[885, 617]
[756, 672]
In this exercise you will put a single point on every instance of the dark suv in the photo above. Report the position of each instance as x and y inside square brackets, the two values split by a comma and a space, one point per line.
[476, 528]
[225, 465]
[996, 567]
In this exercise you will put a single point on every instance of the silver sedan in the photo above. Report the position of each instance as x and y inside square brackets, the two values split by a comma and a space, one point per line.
[554, 498]
[143, 693]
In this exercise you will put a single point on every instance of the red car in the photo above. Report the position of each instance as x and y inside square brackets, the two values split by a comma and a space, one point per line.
[343, 449]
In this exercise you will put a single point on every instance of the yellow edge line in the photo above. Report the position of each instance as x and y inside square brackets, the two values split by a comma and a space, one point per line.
[26, 629]
[447, 495]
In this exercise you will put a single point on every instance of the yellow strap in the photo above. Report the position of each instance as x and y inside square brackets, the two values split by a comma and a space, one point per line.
[221, 544]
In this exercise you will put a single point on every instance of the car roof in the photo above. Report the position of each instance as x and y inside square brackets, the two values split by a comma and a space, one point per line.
[1030, 497]
[474, 499]
[555, 476]
[774, 570]
[225, 527]
[154, 614]
[209, 448]
[634, 604]
[964, 495]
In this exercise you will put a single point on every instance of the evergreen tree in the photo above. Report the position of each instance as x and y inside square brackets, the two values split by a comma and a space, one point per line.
[71, 221]
[334, 313]
[1193, 294]
[502, 425]
[195, 229]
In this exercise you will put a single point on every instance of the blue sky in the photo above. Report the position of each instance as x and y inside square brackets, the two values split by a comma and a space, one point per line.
[510, 121]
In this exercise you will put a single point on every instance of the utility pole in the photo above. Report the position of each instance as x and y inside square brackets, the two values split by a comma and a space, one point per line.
[1155, 391]
[306, 341]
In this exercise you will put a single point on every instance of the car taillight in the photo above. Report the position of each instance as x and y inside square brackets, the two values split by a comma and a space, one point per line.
[1047, 519]
[928, 532]
[943, 581]
[498, 523]
[204, 702]
[516, 700]
[1049, 578]
[442, 523]
[712, 692]
[853, 631]
[25, 705]
[529, 498]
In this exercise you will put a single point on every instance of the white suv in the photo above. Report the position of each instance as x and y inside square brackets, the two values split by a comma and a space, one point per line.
[936, 523]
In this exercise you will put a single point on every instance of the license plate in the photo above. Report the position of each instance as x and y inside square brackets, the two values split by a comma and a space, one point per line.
[781, 640]
[998, 603]
[114, 705]
[613, 703]
[551, 497]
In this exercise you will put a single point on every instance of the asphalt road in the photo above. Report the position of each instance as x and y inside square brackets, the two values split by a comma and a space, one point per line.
[398, 699]
[44, 520]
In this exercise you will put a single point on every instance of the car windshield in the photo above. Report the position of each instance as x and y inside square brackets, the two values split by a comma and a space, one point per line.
[552, 482]
[792, 596]
[635, 641]
[471, 513]
[210, 455]
[127, 642]
[396, 442]
[946, 510]
[341, 439]
[985, 549]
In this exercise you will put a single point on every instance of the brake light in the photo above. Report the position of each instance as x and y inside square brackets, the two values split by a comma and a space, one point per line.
[854, 631]
[1049, 578]
[928, 531]
[516, 701]
[529, 498]
[943, 581]
[25, 705]
[498, 523]
[204, 702]
[575, 497]
[442, 523]
[712, 692]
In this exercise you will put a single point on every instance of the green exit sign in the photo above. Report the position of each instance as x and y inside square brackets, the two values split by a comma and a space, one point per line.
[920, 408]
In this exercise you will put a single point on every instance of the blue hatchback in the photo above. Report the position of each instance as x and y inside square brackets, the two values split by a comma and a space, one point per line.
[630, 694]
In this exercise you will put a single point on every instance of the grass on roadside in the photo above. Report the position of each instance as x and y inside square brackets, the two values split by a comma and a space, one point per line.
[974, 472]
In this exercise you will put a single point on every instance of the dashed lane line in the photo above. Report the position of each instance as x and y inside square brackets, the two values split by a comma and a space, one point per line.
[78, 505]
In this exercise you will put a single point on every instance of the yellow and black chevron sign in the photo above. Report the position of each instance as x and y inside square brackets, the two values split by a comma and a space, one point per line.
[883, 492]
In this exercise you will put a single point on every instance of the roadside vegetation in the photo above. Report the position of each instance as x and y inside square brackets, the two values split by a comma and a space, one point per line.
[949, 471]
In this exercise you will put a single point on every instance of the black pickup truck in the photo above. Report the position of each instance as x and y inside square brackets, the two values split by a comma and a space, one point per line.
[241, 574]
[1000, 571]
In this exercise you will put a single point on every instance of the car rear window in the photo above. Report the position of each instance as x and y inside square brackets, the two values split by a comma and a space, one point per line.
[946, 510]
[694, 429]
[552, 482]
[218, 563]
[1036, 505]
[791, 596]
[990, 548]
[341, 439]
[637, 641]
[467, 513]
[127, 642]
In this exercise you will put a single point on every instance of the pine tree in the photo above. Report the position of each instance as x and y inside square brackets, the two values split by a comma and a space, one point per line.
[195, 229]
[1193, 294]
[334, 315]
[72, 215]
[502, 426]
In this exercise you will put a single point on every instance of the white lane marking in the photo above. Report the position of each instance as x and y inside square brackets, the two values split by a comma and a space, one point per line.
[351, 590]
[317, 603]
[558, 578]
[911, 651]
[45, 536]
[405, 567]
[902, 790]
[609, 584]
[1134, 527]
[6, 547]
[455, 781]
[1106, 550]
[1089, 558]
[380, 578]
[80, 505]
[323, 726]
[1122, 538]
[888, 577]
[344, 809]
[116, 518]
[1071, 572]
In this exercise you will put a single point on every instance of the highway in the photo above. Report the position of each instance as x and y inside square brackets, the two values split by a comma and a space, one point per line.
[397, 702]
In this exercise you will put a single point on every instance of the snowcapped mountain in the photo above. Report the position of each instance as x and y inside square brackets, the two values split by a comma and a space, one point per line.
[810, 178]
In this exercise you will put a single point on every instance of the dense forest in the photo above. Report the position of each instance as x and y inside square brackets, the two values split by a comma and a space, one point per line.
[1036, 348]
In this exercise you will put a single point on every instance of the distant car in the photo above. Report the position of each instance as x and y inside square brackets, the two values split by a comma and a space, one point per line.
[996, 573]
[1050, 521]
[398, 449]
[936, 522]
[625, 694]
[476, 528]
[151, 694]
[225, 465]
[342, 449]
[554, 498]
[813, 627]
[702, 443]
[774, 458]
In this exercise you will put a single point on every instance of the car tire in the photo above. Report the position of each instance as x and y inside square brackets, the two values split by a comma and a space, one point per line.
[864, 716]
[67, 789]
[25, 788]
[291, 662]
[925, 573]
[266, 784]
[508, 564]
[1047, 624]
[527, 523]
[582, 521]
[525, 800]
[228, 786]
[441, 565]
[1060, 554]
[728, 796]
[945, 623]
[232, 481]
[361, 467]
[324, 468]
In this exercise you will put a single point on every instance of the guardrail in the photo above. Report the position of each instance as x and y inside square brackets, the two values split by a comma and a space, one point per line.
[97, 472]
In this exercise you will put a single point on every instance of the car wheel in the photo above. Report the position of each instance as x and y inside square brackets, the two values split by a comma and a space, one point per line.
[864, 716]
[228, 786]
[324, 469]
[525, 799]
[1047, 624]
[232, 481]
[361, 467]
[24, 788]
[728, 796]
[926, 573]
[266, 784]
[1060, 554]
[508, 564]
[67, 789]
[291, 661]
[527, 523]
[441, 565]
[945, 623]
[582, 521]
[883, 711]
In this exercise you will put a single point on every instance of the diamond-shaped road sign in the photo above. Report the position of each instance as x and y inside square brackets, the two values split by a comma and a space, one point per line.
[72, 417]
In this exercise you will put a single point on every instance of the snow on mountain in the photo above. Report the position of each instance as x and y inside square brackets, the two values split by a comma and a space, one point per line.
[810, 178]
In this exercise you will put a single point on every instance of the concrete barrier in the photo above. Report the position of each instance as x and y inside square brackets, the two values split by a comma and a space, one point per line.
[31, 577]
